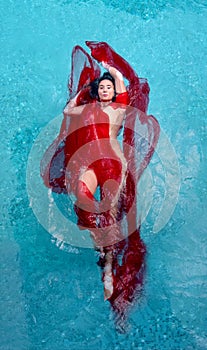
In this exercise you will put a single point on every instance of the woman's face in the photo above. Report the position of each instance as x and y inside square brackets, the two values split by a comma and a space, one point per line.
[106, 90]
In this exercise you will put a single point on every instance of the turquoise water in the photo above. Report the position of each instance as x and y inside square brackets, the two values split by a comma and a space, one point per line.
[52, 295]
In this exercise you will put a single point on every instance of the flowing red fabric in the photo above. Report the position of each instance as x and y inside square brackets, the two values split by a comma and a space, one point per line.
[83, 143]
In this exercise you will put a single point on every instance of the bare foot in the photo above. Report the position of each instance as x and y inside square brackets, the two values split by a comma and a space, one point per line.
[108, 286]
[108, 277]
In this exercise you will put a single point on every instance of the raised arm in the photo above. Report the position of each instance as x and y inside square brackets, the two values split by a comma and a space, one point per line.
[118, 77]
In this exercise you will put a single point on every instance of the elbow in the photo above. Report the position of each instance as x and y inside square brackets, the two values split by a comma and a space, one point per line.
[66, 112]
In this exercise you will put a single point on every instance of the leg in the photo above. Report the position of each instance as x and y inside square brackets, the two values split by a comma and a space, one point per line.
[86, 188]
[85, 204]
[90, 179]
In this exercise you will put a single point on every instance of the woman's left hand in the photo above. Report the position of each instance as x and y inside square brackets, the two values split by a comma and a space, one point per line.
[105, 65]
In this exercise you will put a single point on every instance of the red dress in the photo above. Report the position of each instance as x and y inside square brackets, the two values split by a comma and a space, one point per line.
[93, 129]
[84, 143]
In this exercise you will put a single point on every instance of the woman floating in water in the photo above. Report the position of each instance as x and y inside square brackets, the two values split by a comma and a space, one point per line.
[87, 156]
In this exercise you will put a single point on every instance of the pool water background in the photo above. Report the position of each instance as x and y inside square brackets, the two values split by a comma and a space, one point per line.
[52, 296]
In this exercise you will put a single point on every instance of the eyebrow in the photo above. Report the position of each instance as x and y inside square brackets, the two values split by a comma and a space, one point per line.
[106, 85]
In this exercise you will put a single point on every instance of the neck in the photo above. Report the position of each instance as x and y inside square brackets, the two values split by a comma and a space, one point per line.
[105, 103]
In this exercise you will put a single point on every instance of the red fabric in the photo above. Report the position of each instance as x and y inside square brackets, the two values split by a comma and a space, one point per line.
[123, 98]
[83, 143]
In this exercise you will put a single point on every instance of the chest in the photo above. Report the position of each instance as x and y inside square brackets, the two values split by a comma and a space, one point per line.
[115, 116]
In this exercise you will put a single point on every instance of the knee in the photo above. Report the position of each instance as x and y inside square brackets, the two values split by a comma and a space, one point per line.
[83, 194]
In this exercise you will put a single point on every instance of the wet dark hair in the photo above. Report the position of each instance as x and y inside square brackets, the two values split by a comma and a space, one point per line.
[95, 84]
